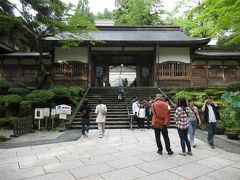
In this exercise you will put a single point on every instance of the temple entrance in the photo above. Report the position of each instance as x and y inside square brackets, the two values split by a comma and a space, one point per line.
[123, 75]
[110, 69]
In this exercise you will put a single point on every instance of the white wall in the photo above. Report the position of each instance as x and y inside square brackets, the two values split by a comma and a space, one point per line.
[71, 54]
[180, 54]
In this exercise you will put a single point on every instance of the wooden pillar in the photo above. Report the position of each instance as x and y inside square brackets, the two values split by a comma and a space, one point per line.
[223, 72]
[19, 69]
[89, 83]
[154, 67]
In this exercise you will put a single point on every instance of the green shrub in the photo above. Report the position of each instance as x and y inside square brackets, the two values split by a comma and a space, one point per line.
[62, 91]
[234, 87]
[218, 94]
[19, 85]
[25, 108]
[11, 99]
[19, 91]
[7, 121]
[199, 104]
[76, 91]
[2, 110]
[210, 92]
[4, 86]
[40, 98]
[185, 94]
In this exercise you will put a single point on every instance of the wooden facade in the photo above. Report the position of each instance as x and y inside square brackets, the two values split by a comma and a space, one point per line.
[163, 56]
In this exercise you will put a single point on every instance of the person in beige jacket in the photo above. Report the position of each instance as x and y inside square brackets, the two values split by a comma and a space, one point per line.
[101, 111]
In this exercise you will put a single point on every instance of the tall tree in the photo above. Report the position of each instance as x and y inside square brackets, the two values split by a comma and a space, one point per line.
[44, 18]
[138, 12]
[83, 10]
[106, 14]
[224, 16]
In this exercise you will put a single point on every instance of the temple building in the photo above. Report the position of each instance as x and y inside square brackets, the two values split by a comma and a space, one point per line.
[160, 56]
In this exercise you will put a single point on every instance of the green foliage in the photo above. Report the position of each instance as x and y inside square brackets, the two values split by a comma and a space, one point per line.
[138, 12]
[2, 110]
[11, 99]
[105, 15]
[40, 98]
[4, 86]
[199, 104]
[222, 15]
[235, 86]
[76, 91]
[61, 91]
[7, 121]
[19, 85]
[19, 91]
[83, 10]
[197, 96]
[231, 113]
[25, 108]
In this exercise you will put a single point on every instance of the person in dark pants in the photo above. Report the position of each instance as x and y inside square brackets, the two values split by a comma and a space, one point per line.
[135, 110]
[86, 117]
[182, 124]
[211, 115]
[156, 108]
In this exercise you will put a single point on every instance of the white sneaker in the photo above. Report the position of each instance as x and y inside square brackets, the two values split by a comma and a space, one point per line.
[100, 136]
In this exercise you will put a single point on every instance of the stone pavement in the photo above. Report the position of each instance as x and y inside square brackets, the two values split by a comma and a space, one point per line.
[120, 155]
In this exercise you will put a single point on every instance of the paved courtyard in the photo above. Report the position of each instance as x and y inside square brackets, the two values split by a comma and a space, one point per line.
[120, 154]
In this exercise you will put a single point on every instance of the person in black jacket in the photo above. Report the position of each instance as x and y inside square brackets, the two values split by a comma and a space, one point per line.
[211, 115]
[86, 117]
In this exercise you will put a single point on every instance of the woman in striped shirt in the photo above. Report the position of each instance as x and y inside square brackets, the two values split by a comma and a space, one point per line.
[182, 124]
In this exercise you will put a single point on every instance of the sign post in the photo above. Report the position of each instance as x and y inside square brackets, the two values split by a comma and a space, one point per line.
[63, 110]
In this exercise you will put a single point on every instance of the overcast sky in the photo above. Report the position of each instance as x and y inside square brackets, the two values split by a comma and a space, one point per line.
[100, 5]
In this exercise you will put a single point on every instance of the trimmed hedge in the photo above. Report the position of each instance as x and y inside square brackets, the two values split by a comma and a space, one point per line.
[40, 98]
[11, 99]
[19, 85]
[234, 87]
[4, 86]
[18, 90]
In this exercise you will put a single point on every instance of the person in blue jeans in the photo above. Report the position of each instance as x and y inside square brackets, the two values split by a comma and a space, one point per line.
[182, 124]
[211, 115]
[86, 117]
[193, 117]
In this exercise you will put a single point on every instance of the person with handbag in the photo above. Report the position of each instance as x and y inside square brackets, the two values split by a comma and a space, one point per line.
[194, 119]
[182, 124]
[101, 111]
[211, 115]
[159, 123]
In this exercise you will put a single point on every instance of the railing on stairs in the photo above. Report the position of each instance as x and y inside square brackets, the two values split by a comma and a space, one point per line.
[71, 118]
[129, 114]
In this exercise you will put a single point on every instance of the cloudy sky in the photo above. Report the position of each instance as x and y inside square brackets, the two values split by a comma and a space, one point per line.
[100, 5]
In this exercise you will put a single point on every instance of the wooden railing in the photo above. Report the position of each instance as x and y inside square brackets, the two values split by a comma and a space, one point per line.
[173, 70]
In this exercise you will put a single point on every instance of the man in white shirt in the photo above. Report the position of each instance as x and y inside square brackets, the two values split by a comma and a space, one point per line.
[135, 109]
[211, 115]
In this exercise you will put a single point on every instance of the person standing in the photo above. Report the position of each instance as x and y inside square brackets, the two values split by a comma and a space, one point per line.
[211, 115]
[120, 92]
[135, 109]
[101, 111]
[159, 111]
[86, 117]
[193, 119]
[182, 124]
[142, 116]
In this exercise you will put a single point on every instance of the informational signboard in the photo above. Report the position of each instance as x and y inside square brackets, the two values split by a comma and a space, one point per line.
[62, 116]
[63, 109]
[39, 113]
[53, 112]
[46, 112]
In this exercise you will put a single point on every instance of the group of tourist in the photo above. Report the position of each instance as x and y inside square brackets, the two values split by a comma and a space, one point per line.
[186, 118]
[158, 111]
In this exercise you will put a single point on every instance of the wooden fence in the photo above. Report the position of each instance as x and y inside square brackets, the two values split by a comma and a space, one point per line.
[23, 125]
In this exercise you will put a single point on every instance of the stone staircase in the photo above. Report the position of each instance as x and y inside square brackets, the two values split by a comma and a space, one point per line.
[118, 111]
[117, 115]
[143, 93]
